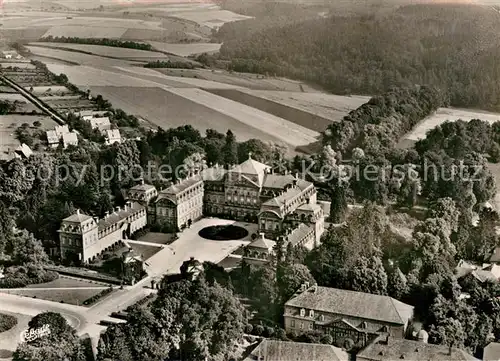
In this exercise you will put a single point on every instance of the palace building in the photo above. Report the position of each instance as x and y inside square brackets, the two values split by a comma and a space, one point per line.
[282, 205]
[82, 237]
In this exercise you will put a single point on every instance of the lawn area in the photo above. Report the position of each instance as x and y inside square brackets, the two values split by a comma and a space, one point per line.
[67, 282]
[159, 238]
[145, 251]
[74, 297]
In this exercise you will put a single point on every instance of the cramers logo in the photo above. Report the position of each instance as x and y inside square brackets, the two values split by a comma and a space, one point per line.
[33, 334]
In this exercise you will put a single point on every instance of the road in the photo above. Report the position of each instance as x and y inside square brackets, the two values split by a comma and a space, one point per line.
[168, 260]
[33, 100]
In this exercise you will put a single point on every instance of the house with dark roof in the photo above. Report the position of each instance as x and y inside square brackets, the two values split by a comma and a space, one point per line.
[260, 251]
[392, 348]
[350, 317]
[274, 350]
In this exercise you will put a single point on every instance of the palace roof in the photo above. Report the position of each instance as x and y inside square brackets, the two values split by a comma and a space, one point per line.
[355, 304]
[273, 350]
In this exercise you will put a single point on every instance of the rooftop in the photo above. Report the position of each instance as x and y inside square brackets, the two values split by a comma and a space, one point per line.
[492, 352]
[213, 174]
[273, 350]
[142, 187]
[24, 150]
[182, 185]
[52, 137]
[119, 215]
[398, 349]
[298, 234]
[277, 181]
[253, 168]
[351, 303]
[77, 217]
[70, 138]
[288, 194]
[263, 243]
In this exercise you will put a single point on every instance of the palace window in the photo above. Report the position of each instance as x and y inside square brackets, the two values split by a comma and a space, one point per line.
[302, 325]
[311, 313]
[292, 324]
[311, 326]
[302, 312]
[322, 318]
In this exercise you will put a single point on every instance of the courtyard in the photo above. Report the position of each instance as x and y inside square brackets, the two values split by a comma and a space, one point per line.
[191, 244]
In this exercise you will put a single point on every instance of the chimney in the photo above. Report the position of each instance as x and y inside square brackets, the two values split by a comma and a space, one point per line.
[296, 175]
[142, 181]
[263, 235]
[106, 215]
[117, 209]
[78, 211]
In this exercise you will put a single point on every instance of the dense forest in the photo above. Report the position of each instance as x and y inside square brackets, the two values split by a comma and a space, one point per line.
[453, 47]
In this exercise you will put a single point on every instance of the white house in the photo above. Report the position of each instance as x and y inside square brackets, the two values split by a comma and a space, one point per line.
[69, 139]
[113, 136]
[102, 124]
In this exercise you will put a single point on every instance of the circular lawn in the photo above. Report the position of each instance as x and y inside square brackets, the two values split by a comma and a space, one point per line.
[223, 232]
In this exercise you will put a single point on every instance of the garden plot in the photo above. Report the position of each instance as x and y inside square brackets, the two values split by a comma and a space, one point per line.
[20, 65]
[74, 296]
[186, 49]
[51, 89]
[8, 125]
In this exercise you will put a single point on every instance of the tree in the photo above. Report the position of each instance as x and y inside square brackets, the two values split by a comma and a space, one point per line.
[230, 150]
[189, 318]
[397, 284]
[25, 249]
[60, 344]
[368, 275]
[290, 278]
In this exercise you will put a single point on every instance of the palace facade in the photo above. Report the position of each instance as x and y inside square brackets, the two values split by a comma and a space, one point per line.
[82, 238]
[282, 204]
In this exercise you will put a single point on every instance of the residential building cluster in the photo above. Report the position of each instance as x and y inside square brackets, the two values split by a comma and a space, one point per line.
[61, 133]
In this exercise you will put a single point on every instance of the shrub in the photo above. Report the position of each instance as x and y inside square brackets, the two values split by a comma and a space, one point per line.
[7, 322]
[281, 334]
[269, 331]
[258, 330]
[101, 294]
[248, 328]
[327, 339]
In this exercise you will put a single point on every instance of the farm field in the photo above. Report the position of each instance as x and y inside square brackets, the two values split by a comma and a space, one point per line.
[312, 110]
[186, 49]
[448, 114]
[153, 75]
[101, 50]
[87, 76]
[279, 128]
[246, 80]
[211, 17]
[77, 58]
[167, 109]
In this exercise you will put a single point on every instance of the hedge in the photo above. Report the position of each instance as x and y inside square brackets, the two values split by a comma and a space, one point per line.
[94, 298]
[7, 322]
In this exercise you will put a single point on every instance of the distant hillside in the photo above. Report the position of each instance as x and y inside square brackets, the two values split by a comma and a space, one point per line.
[455, 47]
